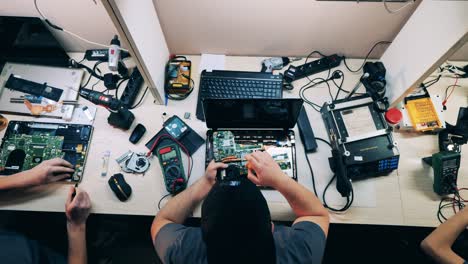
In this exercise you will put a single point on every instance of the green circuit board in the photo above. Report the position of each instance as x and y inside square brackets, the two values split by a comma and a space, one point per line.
[228, 148]
[24, 152]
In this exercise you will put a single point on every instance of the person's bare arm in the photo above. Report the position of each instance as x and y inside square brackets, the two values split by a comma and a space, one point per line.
[179, 207]
[263, 170]
[77, 210]
[439, 243]
[48, 171]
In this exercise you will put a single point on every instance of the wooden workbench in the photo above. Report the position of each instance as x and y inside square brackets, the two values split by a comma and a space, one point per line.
[403, 198]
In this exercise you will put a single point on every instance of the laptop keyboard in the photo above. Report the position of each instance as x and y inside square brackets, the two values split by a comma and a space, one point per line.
[244, 88]
[233, 85]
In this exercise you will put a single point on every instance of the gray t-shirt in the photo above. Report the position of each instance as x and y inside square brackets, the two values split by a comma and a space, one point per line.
[304, 242]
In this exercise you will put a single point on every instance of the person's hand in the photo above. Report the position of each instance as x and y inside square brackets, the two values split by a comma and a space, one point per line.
[263, 170]
[212, 169]
[49, 171]
[77, 207]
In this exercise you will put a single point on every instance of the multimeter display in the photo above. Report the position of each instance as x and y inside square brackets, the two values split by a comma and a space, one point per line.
[450, 163]
[169, 155]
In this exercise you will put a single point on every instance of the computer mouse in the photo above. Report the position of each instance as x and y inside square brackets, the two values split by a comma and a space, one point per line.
[137, 133]
[120, 187]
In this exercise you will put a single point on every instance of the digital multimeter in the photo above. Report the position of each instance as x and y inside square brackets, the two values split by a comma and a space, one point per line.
[445, 165]
[172, 167]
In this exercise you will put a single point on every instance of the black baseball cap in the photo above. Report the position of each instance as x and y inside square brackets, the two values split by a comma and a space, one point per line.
[236, 225]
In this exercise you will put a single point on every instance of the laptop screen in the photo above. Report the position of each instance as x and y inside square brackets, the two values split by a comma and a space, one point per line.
[28, 40]
[251, 113]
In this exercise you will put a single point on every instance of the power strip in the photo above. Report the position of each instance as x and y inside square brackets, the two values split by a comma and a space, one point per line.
[132, 89]
[298, 72]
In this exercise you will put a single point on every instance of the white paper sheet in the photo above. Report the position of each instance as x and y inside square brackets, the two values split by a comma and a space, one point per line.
[211, 62]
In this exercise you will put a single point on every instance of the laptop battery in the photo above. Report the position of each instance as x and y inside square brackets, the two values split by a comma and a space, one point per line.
[29, 87]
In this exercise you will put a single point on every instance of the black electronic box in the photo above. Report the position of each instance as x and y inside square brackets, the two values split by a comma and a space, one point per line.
[358, 130]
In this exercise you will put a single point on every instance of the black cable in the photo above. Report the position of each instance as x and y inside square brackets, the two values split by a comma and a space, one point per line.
[312, 53]
[349, 200]
[312, 174]
[324, 141]
[311, 84]
[141, 99]
[306, 87]
[96, 72]
[456, 201]
[367, 56]
[338, 86]
[432, 82]
[308, 57]
[117, 88]
[310, 166]
[162, 198]
[92, 87]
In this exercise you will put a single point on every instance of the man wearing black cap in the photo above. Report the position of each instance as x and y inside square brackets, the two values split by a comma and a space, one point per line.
[236, 226]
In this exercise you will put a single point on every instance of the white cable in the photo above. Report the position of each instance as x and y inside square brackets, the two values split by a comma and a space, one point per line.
[73, 34]
[87, 41]
[397, 10]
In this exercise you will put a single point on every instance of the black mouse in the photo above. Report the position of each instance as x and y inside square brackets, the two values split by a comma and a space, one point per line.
[120, 187]
[137, 133]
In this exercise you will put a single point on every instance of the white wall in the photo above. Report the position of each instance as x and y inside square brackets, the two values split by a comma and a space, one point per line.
[192, 27]
[277, 27]
[82, 17]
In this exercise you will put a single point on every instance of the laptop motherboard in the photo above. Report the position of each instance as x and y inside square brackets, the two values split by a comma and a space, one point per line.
[231, 148]
[25, 151]
[26, 144]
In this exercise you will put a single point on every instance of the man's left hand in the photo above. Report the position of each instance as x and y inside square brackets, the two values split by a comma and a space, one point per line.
[212, 169]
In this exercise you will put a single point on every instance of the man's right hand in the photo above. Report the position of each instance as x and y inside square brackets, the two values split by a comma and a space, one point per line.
[48, 171]
[263, 170]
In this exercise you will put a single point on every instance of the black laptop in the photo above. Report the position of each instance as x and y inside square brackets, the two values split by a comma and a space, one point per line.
[237, 127]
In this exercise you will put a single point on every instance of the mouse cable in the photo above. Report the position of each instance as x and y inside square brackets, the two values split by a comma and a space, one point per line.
[52, 25]
[367, 56]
